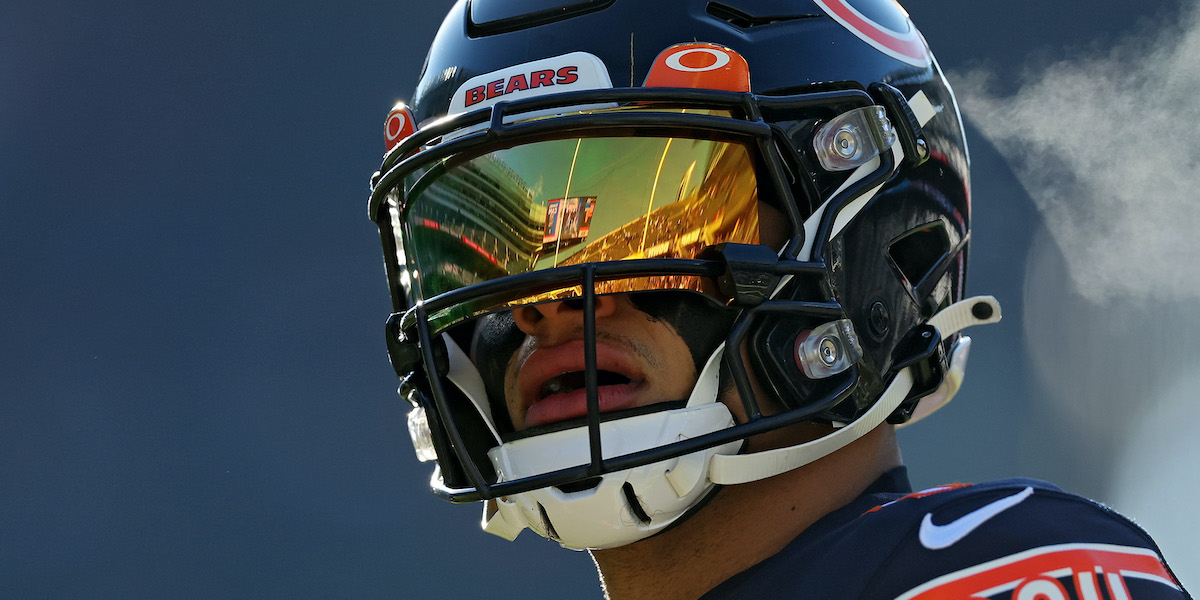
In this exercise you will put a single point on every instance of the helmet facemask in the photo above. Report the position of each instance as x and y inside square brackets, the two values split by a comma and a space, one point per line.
[452, 266]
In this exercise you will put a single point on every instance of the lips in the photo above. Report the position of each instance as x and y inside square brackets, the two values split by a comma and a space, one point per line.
[553, 389]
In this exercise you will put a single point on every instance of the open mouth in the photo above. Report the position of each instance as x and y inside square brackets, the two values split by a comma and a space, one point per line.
[564, 396]
[553, 383]
[576, 380]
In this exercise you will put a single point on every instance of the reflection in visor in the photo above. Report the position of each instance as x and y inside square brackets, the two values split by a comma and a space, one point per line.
[566, 202]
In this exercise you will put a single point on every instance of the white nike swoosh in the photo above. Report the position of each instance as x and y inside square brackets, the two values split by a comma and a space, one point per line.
[936, 537]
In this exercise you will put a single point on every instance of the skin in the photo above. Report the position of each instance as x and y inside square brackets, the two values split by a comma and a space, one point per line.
[647, 350]
[743, 524]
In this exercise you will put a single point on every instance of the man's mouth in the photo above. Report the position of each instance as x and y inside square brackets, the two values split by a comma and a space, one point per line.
[553, 383]
[576, 380]
[564, 397]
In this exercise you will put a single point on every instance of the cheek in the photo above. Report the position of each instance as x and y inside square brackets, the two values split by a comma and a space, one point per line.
[495, 348]
[511, 393]
[674, 361]
[779, 438]
[690, 318]
[729, 397]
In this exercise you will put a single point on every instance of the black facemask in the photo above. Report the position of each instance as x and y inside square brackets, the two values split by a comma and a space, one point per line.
[700, 322]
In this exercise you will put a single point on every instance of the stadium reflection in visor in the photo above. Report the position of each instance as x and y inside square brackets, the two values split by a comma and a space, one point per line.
[565, 202]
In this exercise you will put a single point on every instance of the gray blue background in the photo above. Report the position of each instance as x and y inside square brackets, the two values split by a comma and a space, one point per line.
[195, 401]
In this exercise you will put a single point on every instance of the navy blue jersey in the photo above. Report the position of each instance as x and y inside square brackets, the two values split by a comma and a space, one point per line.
[1014, 539]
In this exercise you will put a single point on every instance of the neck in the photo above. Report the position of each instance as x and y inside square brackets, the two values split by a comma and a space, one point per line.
[743, 525]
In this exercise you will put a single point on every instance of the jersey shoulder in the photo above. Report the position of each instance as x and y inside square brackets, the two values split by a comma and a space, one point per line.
[1013, 538]
[1001, 540]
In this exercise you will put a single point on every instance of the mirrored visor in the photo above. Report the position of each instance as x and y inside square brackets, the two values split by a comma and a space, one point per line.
[557, 203]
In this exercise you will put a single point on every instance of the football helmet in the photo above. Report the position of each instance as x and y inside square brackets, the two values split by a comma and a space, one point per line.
[788, 178]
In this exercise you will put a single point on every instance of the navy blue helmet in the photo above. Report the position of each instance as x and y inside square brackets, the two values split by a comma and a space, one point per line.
[787, 178]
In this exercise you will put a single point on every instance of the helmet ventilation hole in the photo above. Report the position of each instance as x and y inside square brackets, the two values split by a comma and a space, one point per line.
[546, 524]
[745, 20]
[634, 505]
[579, 486]
[917, 253]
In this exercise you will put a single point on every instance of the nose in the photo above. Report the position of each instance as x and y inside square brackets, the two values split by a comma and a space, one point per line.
[556, 322]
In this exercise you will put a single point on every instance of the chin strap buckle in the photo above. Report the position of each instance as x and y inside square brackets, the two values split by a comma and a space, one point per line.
[924, 400]
[921, 352]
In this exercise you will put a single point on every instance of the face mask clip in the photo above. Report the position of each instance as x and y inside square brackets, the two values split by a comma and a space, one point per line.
[750, 272]
[405, 353]
[908, 126]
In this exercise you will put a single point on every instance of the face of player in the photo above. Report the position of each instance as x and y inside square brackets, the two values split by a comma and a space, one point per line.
[641, 359]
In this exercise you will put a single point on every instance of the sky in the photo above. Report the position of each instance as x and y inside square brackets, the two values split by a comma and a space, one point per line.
[195, 399]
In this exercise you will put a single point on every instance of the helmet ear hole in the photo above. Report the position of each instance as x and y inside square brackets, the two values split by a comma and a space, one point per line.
[916, 255]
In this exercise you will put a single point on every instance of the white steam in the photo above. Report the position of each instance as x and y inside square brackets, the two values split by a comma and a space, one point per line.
[1154, 471]
[1108, 147]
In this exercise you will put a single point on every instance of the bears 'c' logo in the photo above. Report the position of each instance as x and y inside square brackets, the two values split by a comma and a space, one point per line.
[399, 125]
[700, 65]
[395, 125]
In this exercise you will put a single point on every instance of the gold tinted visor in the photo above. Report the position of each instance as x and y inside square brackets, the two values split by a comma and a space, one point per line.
[468, 220]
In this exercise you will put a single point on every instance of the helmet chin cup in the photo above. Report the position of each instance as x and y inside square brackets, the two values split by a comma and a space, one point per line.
[623, 506]
[616, 508]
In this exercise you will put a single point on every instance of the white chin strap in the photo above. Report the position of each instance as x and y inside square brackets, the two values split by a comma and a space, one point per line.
[729, 469]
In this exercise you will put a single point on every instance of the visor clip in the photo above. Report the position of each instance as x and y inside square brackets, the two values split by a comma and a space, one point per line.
[750, 274]
[496, 127]
[908, 127]
[405, 353]
[922, 350]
